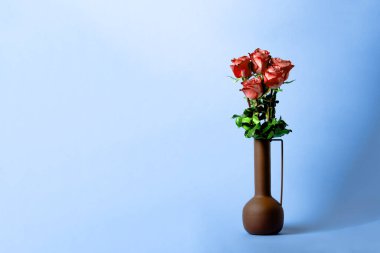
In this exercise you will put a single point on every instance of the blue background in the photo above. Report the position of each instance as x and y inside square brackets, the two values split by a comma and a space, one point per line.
[116, 134]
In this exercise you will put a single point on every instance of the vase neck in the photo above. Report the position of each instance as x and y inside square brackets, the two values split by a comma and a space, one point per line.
[262, 167]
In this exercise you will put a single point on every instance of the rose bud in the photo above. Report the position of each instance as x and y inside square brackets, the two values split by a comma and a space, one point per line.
[252, 88]
[240, 67]
[285, 65]
[260, 59]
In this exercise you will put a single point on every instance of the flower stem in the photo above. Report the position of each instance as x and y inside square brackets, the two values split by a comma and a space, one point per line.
[249, 103]
[271, 104]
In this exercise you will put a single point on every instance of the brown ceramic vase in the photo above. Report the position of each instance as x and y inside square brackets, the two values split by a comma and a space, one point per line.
[263, 215]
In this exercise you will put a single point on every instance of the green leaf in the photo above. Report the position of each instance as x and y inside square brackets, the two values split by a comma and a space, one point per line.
[270, 135]
[269, 126]
[282, 132]
[235, 79]
[238, 121]
[246, 120]
[290, 81]
[249, 112]
[249, 133]
[255, 119]
[235, 116]
[257, 127]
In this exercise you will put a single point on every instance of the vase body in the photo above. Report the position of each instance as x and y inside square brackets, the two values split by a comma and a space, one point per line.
[263, 215]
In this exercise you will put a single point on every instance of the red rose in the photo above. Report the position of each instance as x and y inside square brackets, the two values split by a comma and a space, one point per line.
[240, 67]
[274, 76]
[286, 66]
[260, 59]
[277, 73]
[252, 88]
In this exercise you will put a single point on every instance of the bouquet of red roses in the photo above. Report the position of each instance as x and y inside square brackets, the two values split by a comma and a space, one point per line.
[261, 77]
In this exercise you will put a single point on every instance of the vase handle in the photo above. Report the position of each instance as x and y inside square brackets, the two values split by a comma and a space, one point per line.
[282, 166]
